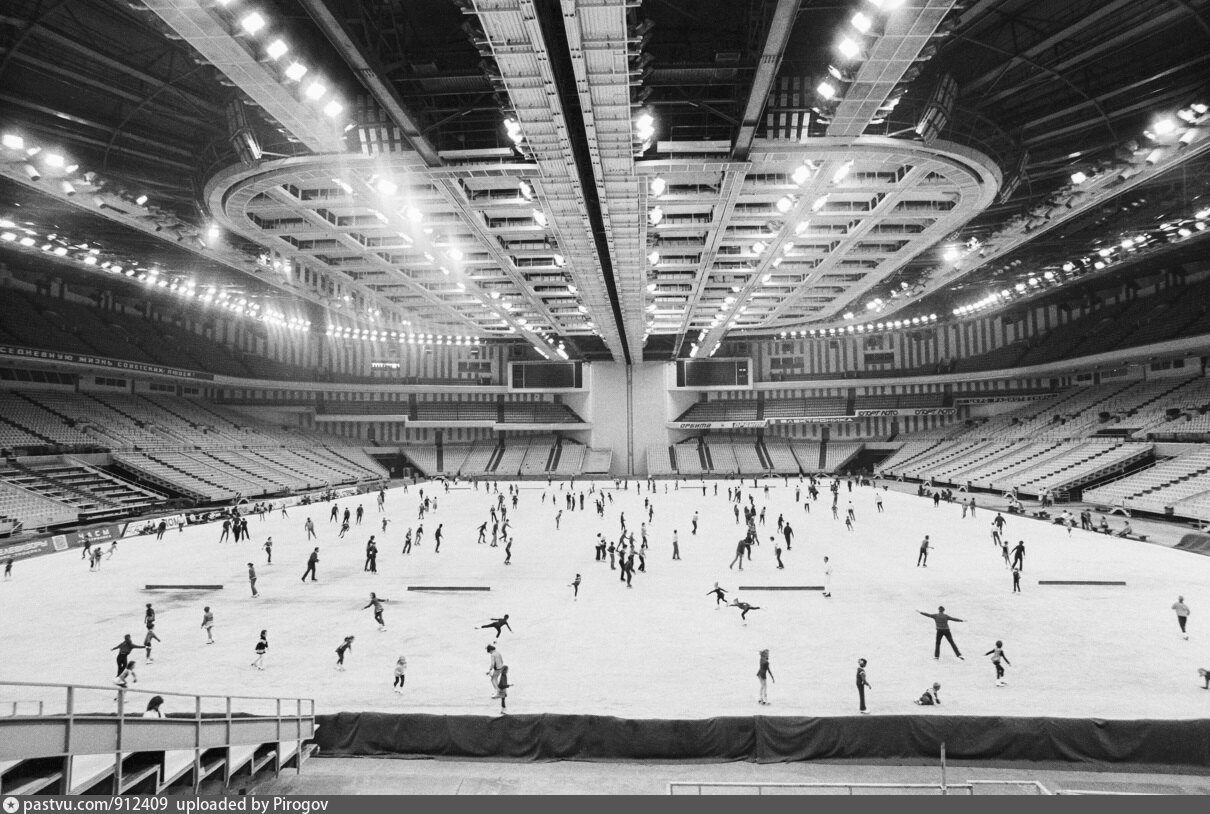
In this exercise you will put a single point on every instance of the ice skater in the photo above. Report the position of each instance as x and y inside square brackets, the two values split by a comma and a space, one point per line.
[147, 640]
[502, 690]
[942, 620]
[1016, 580]
[575, 587]
[676, 548]
[262, 647]
[208, 624]
[401, 668]
[495, 665]
[827, 577]
[922, 559]
[252, 579]
[862, 686]
[720, 595]
[499, 624]
[124, 648]
[998, 661]
[1019, 555]
[268, 547]
[344, 647]
[126, 675]
[744, 607]
[931, 697]
[763, 672]
[312, 562]
[1182, 614]
[740, 548]
[309, 527]
[8, 569]
[376, 603]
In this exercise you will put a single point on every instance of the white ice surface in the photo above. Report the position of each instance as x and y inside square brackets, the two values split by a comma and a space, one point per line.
[659, 649]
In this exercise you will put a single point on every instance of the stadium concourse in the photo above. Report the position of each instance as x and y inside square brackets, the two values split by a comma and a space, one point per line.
[660, 649]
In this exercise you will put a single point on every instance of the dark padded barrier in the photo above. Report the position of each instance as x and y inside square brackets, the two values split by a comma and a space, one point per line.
[766, 739]
[1197, 543]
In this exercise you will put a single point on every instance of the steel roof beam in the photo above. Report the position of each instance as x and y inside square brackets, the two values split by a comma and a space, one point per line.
[780, 29]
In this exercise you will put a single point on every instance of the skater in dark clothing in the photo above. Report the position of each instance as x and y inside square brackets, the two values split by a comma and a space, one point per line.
[268, 546]
[437, 537]
[862, 684]
[930, 697]
[124, 649]
[8, 568]
[502, 689]
[508, 551]
[720, 595]
[776, 552]
[744, 607]
[262, 647]
[922, 559]
[149, 617]
[498, 624]
[1016, 580]
[575, 587]
[312, 562]
[676, 547]
[740, 548]
[1019, 555]
[344, 647]
[252, 579]
[788, 533]
[942, 619]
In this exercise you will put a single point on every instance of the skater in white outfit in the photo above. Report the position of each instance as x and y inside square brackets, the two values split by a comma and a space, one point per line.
[827, 577]
[401, 666]
[208, 624]
[1182, 614]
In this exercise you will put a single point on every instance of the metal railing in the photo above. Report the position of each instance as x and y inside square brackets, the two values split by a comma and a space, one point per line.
[77, 719]
[761, 789]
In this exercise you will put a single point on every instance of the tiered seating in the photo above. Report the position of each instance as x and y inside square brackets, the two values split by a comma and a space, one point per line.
[597, 461]
[539, 412]
[13, 437]
[722, 458]
[997, 473]
[352, 462]
[452, 411]
[1158, 486]
[781, 456]
[510, 462]
[453, 457]
[31, 510]
[839, 453]
[83, 504]
[208, 470]
[746, 456]
[571, 459]
[658, 460]
[243, 463]
[40, 422]
[688, 461]
[104, 488]
[1084, 463]
[423, 457]
[923, 465]
[807, 453]
[537, 456]
[156, 471]
[478, 459]
[722, 410]
[905, 455]
[1197, 506]
[905, 401]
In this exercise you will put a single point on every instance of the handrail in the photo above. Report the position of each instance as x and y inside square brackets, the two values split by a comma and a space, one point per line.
[967, 787]
[196, 696]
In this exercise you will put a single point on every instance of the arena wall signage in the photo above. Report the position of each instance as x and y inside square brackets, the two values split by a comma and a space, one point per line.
[1000, 398]
[909, 411]
[757, 424]
[101, 361]
[62, 542]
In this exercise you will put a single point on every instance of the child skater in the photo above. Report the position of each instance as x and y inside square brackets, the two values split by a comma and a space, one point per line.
[345, 647]
[997, 656]
[262, 645]
[503, 690]
[764, 671]
[930, 697]
[376, 604]
[401, 666]
[127, 675]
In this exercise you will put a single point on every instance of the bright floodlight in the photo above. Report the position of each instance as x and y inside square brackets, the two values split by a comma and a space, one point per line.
[277, 49]
[53, 160]
[333, 109]
[1164, 126]
[12, 141]
[1078, 177]
[658, 185]
[296, 71]
[387, 187]
[252, 22]
[800, 175]
[315, 91]
[861, 22]
[826, 90]
[784, 204]
[848, 48]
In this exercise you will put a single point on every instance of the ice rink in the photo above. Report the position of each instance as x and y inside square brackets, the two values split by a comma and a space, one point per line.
[657, 650]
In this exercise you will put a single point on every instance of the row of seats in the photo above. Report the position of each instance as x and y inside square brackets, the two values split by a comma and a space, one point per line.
[520, 456]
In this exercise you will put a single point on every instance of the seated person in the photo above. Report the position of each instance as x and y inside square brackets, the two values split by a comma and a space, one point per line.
[930, 698]
[1205, 674]
[1126, 530]
[1103, 526]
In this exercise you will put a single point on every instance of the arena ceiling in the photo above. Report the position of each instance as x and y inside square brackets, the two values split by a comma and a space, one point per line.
[604, 179]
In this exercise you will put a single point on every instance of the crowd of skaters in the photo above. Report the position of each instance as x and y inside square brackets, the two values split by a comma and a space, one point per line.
[621, 555]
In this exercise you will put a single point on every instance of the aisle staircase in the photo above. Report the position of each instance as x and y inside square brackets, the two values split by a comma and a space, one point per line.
[79, 739]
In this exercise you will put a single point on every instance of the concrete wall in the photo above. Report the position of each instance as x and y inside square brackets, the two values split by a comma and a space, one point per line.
[629, 410]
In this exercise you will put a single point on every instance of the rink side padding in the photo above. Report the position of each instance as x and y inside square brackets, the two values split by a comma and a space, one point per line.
[766, 739]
